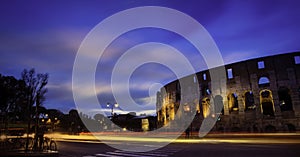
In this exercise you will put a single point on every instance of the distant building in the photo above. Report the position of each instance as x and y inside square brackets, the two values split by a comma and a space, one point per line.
[135, 123]
[261, 95]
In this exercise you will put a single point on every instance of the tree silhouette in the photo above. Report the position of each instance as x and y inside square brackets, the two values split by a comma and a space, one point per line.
[99, 117]
[34, 95]
[11, 99]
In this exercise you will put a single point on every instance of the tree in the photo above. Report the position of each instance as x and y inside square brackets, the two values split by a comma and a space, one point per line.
[99, 117]
[55, 116]
[75, 121]
[34, 94]
[11, 99]
[7, 94]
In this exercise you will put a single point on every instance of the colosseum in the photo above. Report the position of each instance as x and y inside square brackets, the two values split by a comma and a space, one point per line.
[261, 95]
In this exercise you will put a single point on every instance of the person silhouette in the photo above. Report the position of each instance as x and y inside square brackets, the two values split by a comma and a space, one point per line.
[40, 134]
[187, 133]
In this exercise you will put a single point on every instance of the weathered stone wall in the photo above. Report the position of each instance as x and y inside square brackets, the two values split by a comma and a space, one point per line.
[261, 95]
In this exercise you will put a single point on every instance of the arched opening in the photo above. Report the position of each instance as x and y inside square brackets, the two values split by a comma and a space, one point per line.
[167, 113]
[219, 106]
[221, 129]
[205, 107]
[263, 82]
[291, 127]
[285, 99]
[233, 103]
[205, 91]
[249, 101]
[270, 129]
[195, 79]
[204, 77]
[255, 128]
[266, 102]
[171, 112]
[163, 115]
[178, 92]
[178, 88]
[249, 129]
[235, 129]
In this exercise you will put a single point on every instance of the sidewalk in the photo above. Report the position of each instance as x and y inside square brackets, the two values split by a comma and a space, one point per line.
[17, 153]
[14, 146]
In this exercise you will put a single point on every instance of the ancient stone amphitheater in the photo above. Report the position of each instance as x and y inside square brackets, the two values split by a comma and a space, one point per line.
[261, 95]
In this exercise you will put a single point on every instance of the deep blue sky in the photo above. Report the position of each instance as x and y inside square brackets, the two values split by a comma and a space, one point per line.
[45, 35]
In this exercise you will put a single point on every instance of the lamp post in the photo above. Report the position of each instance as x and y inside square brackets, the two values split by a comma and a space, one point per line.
[112, 107]
[108, 105]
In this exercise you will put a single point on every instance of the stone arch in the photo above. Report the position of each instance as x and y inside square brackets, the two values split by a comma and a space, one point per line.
[221, 129]
[233, 104]
[291, 127]
[270, 129]
[235, 129]
[249, 101]
[167, 112]
[205, 107]
[266, 102]
[205, 91]
[163, 115]
[171, 111]
[263, 81]
[178, 87]
[219, 106]
[178, 92]
[249, 129]
[285, 99]
[255, 128]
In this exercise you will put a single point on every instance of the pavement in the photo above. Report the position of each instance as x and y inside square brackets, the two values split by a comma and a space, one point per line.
[139, 138]
[21, 153]
[14, 146]
[90, 149]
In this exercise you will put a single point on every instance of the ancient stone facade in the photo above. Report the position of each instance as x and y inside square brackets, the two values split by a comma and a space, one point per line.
[261, 95]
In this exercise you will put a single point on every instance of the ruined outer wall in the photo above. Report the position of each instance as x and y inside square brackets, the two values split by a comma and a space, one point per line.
[277, 75]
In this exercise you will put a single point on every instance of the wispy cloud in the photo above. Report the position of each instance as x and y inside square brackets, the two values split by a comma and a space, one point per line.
[35, 36]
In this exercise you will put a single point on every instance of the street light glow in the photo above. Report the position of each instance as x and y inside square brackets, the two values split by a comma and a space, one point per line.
[186, 108]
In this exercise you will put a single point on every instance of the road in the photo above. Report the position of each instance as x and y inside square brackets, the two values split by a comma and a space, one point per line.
[216, 149]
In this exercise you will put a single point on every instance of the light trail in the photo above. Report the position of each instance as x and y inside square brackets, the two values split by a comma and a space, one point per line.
[281, 138]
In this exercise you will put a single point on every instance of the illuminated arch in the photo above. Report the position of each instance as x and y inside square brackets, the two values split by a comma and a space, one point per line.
[205, 91]
[249, 101]
[266, 102]
[285, 99]
[233, 104]
[171, 109]
[178, 92]
[218, 102]
[206, 107]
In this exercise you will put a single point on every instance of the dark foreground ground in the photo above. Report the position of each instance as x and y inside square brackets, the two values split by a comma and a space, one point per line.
[78, 149]
[213, 145]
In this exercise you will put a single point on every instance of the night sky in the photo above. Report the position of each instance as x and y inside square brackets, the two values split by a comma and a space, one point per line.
[46, 35]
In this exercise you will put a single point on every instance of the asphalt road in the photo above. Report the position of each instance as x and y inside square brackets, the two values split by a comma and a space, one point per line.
[79, 149]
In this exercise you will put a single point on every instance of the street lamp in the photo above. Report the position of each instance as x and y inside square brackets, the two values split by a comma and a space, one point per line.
[112, 107]
[186, 108]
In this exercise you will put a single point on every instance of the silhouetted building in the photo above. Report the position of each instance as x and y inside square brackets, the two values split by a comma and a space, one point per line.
[135, 123]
